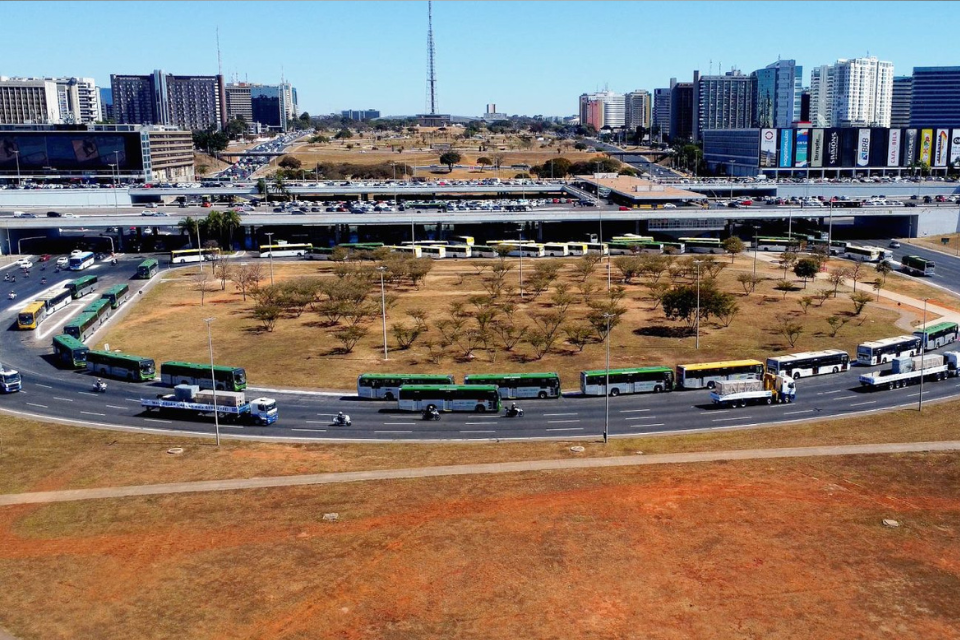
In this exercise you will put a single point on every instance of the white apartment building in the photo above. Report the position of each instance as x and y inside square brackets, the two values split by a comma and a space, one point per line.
[637, 109]
[852, 93]
[73, 101]
[614, 108]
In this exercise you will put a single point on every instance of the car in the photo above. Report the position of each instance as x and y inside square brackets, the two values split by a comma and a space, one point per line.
[54, 214]
[45, 257]
[894, 244]
[63, 261]
[24, 263]
[151, 205]
[147, 213]
[29, 215]
[161, 214]
[669, 205]
[206, 205]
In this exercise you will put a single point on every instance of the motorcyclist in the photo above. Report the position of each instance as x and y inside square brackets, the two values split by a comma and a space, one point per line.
[431, 414]
[43, 281]
[100, 385]
[341, 419]
[514, 410]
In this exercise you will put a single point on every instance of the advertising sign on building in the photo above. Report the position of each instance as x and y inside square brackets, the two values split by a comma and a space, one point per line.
[803, 141]
[831, 148]
[943, 141]
[816, 148]
[768, 147]
[955, 148]
[786, 148]
[893, 148]
[863, 148]
[909, 147]
[926, 146]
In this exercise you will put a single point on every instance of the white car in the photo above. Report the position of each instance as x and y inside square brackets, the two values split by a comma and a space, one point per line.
[24, 263]
[669, 205]
[63, 261]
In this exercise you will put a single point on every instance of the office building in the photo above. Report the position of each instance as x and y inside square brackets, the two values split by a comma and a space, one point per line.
[852, 93]
[936, 97]
[723, 102]
[779, 86]
[29, 101]
[106, 103]
[265, 105]
[637, 109]
[682, 111]
[360, 115]
[608, 109]
[805, 106]
[900, 102]
[77, 99]
[188, 102]
[661, 110]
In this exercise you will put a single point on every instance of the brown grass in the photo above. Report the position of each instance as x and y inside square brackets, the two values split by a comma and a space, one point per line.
[934, 242]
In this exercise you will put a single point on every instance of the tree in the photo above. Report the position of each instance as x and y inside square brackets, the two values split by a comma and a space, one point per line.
[246, 276]
[860, 300]
[585, 266]
[348, 337]
[884, 268]
[555, 168]
[785, 287]
[734, 246]
[343, 134]
[749, 282]
[629, 266]
[484, 161]
[789, 328]
[836, 323]
[837, 276]
[236, 127]
[787, 260]
[805, 303]
[268, 314]
[450, 158]
[290, 162]
[200, 279]
[680, 302]
[727, 309]
[188, 227]
[822, 296]
[856, 274]
[806, 268]
[877, 285]
[578, 334]
[406, 335]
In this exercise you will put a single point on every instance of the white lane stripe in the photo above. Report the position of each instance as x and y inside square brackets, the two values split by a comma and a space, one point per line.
[548, 415]
[311, 430]
[375, 432]
[826, 393]
[560, 421]
[231, 426]
[91, 413]
[860, 404]
[132, 400]
[34, 404]
[45, 386]
[633, 410]
[641, 418]
[64, 399]
[88, 393]
[397, 424]
[315, 421]
[644, 426]
[566, 429]
[112, 406]
[153, 420]
[731, 418]
[477, 423]
[476, 431]
[790, 413]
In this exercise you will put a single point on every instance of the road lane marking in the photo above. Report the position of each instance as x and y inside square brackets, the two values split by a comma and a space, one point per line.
[231, 426]
[560, 421]
[34, 404]
[376, 432]
[633, 410]
[548, 415]
[731, 418]
[112, 406]
[91, 413]
[45, 386]
[475, 431]
[644, 426]
[132, 400]
[790, 413]
[64, 399]
[566, 429]
[315, 421]
[860, 404]
[310, 430]
[826, 393]
[89, 393]
[154, 420]
[642, 418]
[397, 424]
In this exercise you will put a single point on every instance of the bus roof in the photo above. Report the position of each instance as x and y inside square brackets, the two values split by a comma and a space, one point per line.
[808, 354]
[501, 376]
[121, 356]
[597, 372]
[33, 306]
[69, 341]
[885, 341]
[449, 387]
[148, 262]
[394, 376]
[96, 304]
[940, 326]
[80, 319]
[715, 365]
[218, 367]
[79, 282]
[117, 288]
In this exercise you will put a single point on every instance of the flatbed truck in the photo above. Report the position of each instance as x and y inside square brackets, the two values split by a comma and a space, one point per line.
[739, 393]
[231, 406]
[909, 370]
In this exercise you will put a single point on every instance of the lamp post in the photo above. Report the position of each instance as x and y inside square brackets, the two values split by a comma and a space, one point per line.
[213, 381]
[103, 235]
[383, 311]
[270, 244]
[116, 204]
[754, 251]
[16, 154]
[697, 262]
[923, 349]
[22, 239]
[606, 383]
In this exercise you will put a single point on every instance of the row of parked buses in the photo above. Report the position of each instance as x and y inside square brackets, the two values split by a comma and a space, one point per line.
[40, 308]
[416, 392]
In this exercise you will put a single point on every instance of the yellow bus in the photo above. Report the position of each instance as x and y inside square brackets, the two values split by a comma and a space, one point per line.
[32, 315]
[707, 374]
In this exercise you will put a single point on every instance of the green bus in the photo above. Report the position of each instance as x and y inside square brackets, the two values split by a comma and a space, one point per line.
[100, 308]
[116, 295]
[318, 253]
[520, 385]
[633, 380]
[937, 335]
[478, 398]
[227, 378]
[69, 351]
[917, 266]
[83, 326]
[82, 286]
[147, 269]
[385, 386]
[124, 367]
[702, 245]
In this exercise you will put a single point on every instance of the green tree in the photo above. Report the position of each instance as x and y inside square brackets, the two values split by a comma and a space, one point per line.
[806, 268]
[789, 328]
[450, 158]
[484, 161]
[343, 134]
[188, 227]
[555, 168]
[289, 162]
[680, 302]
[860, 300]
[734, 246]
[236, 127]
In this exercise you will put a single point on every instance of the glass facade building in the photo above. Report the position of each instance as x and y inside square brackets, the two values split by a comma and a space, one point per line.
[936, 97]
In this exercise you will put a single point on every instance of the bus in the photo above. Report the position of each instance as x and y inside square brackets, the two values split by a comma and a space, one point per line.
[56, 301]
[284, 249]
[556, 249]
[227, 378]
[599, 248]
[938, 335]
[577, 248]
[414, 251]
[100, 308]
[862, 253]
[118, 365]
[809, 363]
[770, 243]
[483, 251]
[83, 326]
[707, 374]
[435, 251]
[385, 386]
[69, 351]
[467, 240]
[675, 248]
[633, 247]
[80, 261]
[116, 295]
[530, 250]
[82, 286]
[449, 397]
[147, 269]
[319, 253]
[520, 385]
[917, 266]
[633, 380]
[702, 245]
[631, 237]
[885, 350]
[180, 256]
[459, 250]
[32, 315]
[361, 246]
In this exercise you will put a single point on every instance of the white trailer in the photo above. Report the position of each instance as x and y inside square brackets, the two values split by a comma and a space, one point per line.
[739, 393]
[909, 371]
[229, 405]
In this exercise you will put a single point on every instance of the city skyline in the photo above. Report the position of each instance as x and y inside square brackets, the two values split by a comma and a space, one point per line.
[527, 57]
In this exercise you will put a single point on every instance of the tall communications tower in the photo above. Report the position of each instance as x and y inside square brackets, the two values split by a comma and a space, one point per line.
[432, 119]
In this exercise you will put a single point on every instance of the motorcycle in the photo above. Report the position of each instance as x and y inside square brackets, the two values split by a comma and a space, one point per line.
[43, 281]
[12, 295]
[342, 421]
[100, 386]
[431, 414]
[514, 412]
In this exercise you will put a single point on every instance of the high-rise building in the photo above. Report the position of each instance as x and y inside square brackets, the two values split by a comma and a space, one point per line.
[264, 104]
[238, 101]
[805, 106]
[106, 103]
[779, 86]
[637, 109]
[723, 102]
[78, 99]
[936, 97]
[852, 93]
[362, 115]
[29, 101]
[189, 102]
[612, 106]
[900, 102]
[682, 111]
[661, 109]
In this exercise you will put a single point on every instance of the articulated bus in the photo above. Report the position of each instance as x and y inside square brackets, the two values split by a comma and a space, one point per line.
[227, 378]
[810, 363]
[284, 250]
[100, 308]
[449, 397]
[707, 374]
[69, 351]
[386, 386]
[633, 380]
[116, 295]
[520, 385]
[938, 335]
[82, 286]
[83, 326]
[147, 269]
[56, 301]
[80, 261]
[885, 350]
[181, 256]
[32, 315]
[862, 253]
[702, 245]
[124, 367]
[917, 266]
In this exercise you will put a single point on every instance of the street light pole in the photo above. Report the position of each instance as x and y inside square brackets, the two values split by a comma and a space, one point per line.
[16, 154]
[697, 262]
[103, 235]
[383, 311]
[755, 252]
[606, 383]
[923, 349]
[213, 381]
[270, 245]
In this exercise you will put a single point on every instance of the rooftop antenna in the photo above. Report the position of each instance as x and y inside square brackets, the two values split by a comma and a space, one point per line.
[219, 61]
[711, 67]
[431, 52]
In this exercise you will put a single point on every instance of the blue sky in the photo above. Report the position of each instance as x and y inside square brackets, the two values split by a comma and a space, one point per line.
[527, 57]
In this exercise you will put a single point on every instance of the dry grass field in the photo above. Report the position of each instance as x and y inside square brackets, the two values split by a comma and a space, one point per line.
[301, 352]
[935, 243]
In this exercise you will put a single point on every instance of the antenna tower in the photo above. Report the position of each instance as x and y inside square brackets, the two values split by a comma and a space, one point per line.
[431, 53]
[219, 62]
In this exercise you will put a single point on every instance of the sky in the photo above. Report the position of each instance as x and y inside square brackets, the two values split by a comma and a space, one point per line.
[528, 58]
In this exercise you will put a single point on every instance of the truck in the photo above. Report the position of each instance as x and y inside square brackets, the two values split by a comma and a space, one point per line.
[9, 379]
[772, 388]
[908, 370]
[231, 406]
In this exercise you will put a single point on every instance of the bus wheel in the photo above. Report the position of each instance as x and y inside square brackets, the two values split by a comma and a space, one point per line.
[542, 395]
[480, 409]
[614, 392]
[711, 385]
[796, 375]
[836, 369]
[389, 396]
[657, 389]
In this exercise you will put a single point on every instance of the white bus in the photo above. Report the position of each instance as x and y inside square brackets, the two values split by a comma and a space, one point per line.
[435, 251]
[862, 253]
[556, 249]
[810, 363]
[577, 248]
[885, 350]
[599, 248]
[707, 374]
[81, 261]
[459, 250]
[285, 249]
[414, 251]
[449, 397]
[483, 251]
[635, 380]
[532, 250]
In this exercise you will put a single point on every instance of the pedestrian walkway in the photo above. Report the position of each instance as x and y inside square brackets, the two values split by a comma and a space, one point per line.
[45, 497]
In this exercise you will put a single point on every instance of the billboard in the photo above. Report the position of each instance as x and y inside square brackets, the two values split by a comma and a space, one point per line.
[943, 141]
[849, 146]
[786, 148]
[70, 150]
[768, 147]
[831, 148]
[926, 146]
[909, 147]
[803, 140]
[955, 148]
[816, 148]
[863, 148]
[893, 148]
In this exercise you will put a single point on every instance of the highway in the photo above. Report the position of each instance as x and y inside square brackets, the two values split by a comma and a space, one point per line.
[66, 394]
